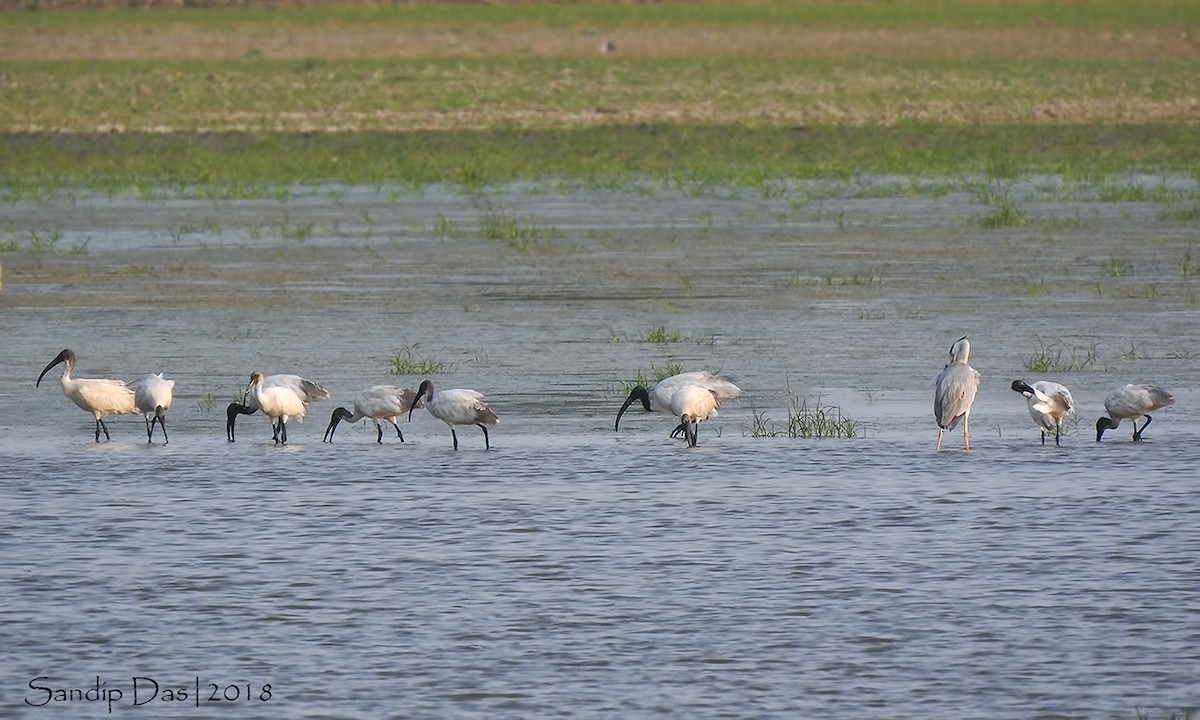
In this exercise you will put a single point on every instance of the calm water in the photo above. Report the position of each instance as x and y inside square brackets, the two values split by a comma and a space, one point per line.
[572, 571]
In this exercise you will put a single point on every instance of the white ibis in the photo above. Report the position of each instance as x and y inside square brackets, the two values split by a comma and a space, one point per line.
[99, 397]
[276, 402]
[954, 391]
[692, 397]
[1049, 404]
[305, 388]
[1132, 402]
[379, 403]
[152, 394]
[457, 407]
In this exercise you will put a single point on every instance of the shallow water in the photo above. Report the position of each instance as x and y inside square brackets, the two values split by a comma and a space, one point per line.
[571, 570]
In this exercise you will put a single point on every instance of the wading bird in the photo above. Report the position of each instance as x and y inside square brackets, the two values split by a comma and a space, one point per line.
[276, 402]
[692, 397]
[1130, 403]
[954, 391]
[306, 389]
[379, 403]
[152, 394]
[99, 397]
[457, 407]
[1049, 404]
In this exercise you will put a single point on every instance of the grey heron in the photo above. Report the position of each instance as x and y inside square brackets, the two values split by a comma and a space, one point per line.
[954, 391]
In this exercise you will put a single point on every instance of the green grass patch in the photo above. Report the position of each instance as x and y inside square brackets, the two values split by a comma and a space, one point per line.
[1056, 357]
[606, 13]
[1116, 266]
[1006, 210]
[503, 226]
[407, 362]
[804, 421]
[40, 163]
[652, 376]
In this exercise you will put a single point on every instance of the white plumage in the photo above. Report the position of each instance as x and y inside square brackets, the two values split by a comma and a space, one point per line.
[457, 407]
[692, 397]
[1132, 402]
[306, 389]
[380, 403]
[954, 391]
[152, 395]
[276, 402]
[96, 396]
[1049, 404]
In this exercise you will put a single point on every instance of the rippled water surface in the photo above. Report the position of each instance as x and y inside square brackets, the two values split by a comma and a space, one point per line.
[573, 571]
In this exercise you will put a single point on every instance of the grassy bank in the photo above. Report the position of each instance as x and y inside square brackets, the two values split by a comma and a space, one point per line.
[729, 91]
[735, 155]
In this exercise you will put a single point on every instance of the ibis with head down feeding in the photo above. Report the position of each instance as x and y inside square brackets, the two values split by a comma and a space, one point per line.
[153, 394]
[692, 397]
[304, 388]
[276, 402]
[1131, 402]
[380, 404]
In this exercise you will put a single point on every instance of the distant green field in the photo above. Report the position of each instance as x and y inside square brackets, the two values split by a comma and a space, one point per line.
[728, 92]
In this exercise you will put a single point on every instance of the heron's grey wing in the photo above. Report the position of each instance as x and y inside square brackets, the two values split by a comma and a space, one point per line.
[955, 392]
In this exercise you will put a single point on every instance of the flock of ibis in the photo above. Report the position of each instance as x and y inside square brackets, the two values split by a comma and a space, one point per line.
[690, 397]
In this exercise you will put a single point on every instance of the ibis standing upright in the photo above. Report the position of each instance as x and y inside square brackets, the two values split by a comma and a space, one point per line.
[1049, 404]
[457, 407]
[306, 389]
[692, 397]
[98, 397]
[1132, 402]
[380, 403]
[954, 391]
[153, 394]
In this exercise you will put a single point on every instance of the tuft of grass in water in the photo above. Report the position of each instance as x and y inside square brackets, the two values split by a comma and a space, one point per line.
[407, 362]
[498, 224]
[33, 242]
[445, 229]
[662, 336]
[206, 403]
[1189, 266]
[1006, 211]
[1117, 267]
[1053, 358]
[1182, 213]
[1184, 714]
[805, 421]
[654, 375]
[871, 278]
